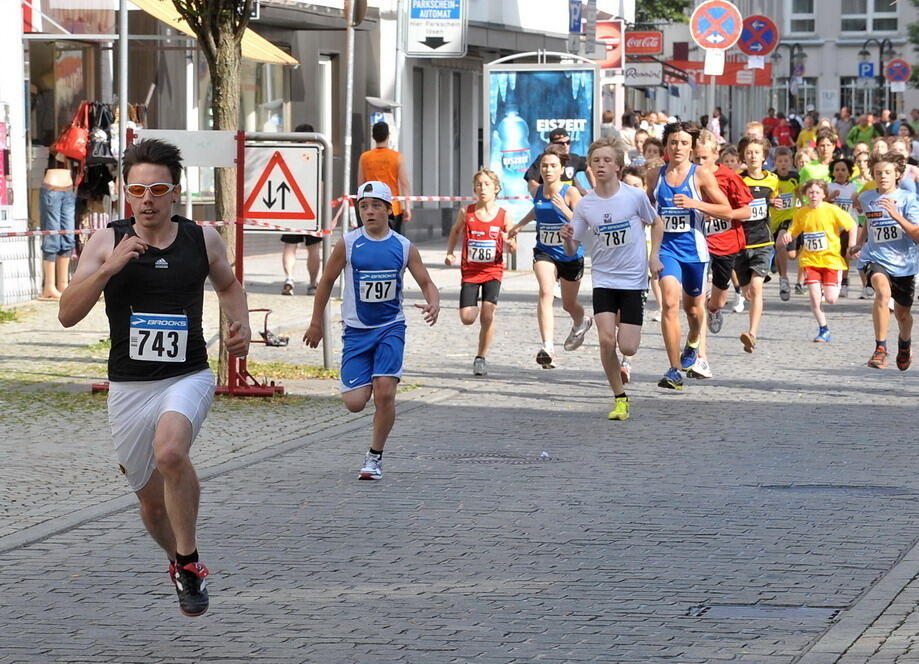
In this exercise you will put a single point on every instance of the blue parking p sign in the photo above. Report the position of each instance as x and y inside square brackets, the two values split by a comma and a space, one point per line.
[866, 70]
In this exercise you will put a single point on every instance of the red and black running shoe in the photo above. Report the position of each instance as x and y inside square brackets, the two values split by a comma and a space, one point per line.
[904, 357]
[189, 582]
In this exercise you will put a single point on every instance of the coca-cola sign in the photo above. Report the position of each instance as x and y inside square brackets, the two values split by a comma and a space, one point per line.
[648, 42]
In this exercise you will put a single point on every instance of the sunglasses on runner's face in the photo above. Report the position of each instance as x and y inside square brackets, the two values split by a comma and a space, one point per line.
[564, 142]
[157, 189]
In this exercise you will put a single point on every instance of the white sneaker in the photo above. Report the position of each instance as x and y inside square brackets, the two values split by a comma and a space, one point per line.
[479, 367]
[700, 369]
[576, 336]
[657, 316]
[890, 304]
[738, 303]
[372, 469]
[844, 290]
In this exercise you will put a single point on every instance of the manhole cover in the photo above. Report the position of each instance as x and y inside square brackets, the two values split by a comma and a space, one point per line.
[851, 489]
[763, 611]
[495, 457]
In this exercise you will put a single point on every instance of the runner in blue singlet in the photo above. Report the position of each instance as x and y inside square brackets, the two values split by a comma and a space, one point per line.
[677, 189]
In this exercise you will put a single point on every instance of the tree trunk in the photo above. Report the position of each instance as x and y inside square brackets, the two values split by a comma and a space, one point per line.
[219, 26]
[225, 86]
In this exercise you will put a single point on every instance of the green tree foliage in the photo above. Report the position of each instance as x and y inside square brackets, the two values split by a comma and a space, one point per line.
[653, 11]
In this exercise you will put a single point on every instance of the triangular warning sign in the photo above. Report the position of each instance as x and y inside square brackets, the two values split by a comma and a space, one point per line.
[277, 195]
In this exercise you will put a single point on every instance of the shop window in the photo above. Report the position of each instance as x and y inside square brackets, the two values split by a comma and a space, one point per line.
[263, 90]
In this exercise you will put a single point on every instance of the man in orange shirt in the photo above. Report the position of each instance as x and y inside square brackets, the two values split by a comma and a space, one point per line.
[385, 165]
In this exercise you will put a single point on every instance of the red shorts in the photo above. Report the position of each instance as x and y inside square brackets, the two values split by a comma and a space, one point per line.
[821, 275]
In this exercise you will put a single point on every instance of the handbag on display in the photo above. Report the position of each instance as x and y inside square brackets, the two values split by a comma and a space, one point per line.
[73, 141]
[100, 141]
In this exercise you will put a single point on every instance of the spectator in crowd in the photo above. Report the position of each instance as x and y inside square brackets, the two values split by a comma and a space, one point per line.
[607, 126]
[906, 132]
[770, 122]
[717, 126]
[843, 124]
[637, 155]
[313, 243]
[628, 130]
[781, 135]
[884, 125]
[754, 129]
[808, 134]
[383, 164]
[575, 164]
[862, 132]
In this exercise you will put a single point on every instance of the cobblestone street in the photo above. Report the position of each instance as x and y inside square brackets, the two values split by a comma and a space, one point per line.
[766, 515]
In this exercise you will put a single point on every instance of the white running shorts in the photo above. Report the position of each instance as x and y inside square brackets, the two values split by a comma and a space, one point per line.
[135, 407]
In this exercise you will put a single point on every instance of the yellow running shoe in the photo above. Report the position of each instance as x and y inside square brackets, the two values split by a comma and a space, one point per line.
[621, 411]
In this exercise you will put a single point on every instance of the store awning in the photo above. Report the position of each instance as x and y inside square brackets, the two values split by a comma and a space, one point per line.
[254, 46]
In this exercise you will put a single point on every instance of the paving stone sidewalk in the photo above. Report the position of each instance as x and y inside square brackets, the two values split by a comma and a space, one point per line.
[740, 520]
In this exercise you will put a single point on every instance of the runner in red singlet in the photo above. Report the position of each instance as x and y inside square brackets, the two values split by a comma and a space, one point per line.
[484, 227]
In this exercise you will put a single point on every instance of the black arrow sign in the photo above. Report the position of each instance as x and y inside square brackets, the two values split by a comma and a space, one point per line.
[434, 42]
[270, 201]
[283, 189]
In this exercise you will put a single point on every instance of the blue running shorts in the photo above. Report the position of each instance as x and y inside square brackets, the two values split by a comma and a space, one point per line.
[690, 275]
[368, 353]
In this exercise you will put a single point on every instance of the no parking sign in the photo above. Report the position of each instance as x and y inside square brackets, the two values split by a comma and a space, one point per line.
[760, 36]
[898, 72]
[716, 26]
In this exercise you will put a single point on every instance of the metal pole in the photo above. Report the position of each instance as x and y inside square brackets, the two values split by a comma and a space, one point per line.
[122, 97]
[349, 94]
[400, 72]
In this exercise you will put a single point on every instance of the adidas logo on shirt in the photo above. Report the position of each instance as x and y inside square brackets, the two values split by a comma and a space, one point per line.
[161, 263]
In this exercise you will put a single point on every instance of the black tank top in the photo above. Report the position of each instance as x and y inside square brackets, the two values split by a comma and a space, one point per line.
[161, 281]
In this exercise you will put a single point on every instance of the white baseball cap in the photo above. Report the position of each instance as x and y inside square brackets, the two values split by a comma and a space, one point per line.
[375, 189]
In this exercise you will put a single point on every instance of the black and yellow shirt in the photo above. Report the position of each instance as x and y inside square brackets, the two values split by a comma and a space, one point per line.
[788, 187]
[763, 190]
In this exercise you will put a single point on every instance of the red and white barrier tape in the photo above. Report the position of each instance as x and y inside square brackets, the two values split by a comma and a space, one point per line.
[275, 227]
[428, 199]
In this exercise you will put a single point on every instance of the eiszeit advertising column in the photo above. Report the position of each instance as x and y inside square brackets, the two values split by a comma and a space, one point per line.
[523, 103]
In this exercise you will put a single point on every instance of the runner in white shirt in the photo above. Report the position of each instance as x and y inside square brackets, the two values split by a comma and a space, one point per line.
[842, 192]
[616, 214]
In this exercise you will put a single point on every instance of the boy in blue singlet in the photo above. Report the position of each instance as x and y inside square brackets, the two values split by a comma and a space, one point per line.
[678, 189]
[374, 259]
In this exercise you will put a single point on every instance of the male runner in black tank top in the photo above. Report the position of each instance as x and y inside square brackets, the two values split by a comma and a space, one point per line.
[152, 269]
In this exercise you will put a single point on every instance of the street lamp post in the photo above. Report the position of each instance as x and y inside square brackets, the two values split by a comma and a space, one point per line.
[796, 55]
[885, 52]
